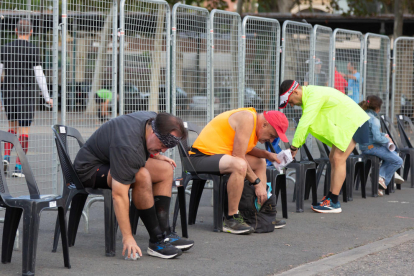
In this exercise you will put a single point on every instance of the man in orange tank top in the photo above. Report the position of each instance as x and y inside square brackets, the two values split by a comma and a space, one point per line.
[227, 144]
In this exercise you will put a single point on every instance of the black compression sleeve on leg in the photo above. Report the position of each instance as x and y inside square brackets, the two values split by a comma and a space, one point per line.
[150, 220]
[162, 207]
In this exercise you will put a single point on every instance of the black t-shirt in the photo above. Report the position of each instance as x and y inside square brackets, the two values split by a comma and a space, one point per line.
[120, 143]
[18, 58]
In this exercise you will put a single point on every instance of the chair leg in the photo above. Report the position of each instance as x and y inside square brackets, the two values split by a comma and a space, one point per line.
[196, 192]
[186, 179]
[219, 193]
[281, 186]
[411, 158]
[68, 194]
[362, 179]
[300, 186]
[133, 218]
[30, 235]
[110, 223]
[11, 223]
[78, 202]
[63, 227]
[313, 185]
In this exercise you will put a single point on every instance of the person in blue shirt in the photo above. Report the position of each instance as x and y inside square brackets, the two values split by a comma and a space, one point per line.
[277, 148]
[354, 79]
[378, 144]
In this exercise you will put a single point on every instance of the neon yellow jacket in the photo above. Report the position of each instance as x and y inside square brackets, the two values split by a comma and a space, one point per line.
[329, 115]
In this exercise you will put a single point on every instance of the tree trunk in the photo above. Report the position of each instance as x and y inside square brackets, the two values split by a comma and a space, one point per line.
[99, 66]
[156, 61]
[398, 18]
[239, 6]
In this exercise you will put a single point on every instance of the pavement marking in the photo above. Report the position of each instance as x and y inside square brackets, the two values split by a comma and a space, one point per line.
[328, 263]
[403, 217]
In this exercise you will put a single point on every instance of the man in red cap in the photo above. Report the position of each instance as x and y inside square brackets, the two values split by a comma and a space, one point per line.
[227, 144]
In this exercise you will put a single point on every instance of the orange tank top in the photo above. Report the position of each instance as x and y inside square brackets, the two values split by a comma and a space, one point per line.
[217, 137]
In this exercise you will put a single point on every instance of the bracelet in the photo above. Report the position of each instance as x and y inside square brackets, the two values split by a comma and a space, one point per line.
[292, 148]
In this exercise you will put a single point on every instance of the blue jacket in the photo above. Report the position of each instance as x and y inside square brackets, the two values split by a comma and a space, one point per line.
[275, 145]
[376, 137]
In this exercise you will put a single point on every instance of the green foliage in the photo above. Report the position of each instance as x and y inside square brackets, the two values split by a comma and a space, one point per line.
[211, 4]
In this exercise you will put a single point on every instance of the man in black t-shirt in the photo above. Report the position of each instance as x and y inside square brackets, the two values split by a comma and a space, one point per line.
[124, 153]
[21, 62]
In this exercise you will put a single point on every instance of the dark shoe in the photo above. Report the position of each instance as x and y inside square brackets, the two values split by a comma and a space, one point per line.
[236, 225]
[163, 249]
[179, 242]
[279, 223]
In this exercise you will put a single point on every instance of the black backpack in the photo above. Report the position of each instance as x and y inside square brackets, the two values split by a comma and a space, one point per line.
[262, 221]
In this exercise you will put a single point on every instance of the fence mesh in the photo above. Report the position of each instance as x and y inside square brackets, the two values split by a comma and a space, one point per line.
[227, 81]
[403, 78]
[261, 62]
[321, 56]
[28, 75]
[88, 64]
[377, 68]
[146, 56]
[347, 61]
[295, 61]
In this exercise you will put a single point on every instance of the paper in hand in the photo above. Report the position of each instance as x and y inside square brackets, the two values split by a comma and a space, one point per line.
[391, 146]
[285, 158]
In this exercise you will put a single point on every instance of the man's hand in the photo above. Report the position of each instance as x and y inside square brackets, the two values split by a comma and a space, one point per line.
[389, 138]
[293, 153]
[272, 157]
[131, 247]
[260, 191]
[50, 102]
[166, 159]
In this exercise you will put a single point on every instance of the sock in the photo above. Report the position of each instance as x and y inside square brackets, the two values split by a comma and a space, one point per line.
[8, 146]
[150, 220]
[162, 207]
[334, 198]
[329, 195]
[24, 141]
[231, 216]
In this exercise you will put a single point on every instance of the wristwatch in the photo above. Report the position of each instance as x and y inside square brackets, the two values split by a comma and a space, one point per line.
[257, 181]
[292, 148]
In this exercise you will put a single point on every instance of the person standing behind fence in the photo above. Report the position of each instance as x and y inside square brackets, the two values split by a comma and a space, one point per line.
[354, 78]
[378, 144]
[340, 82]
[22, 64]
[335, 120]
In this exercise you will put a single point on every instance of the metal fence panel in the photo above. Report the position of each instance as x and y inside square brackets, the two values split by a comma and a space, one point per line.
[261, 52]
[321, 56]
[348, 61]
[190, 71]
[377, 68]
[146, 56]
[25, 87]
[226, 52]
[295, 60]
[89, 87]
[403, 78]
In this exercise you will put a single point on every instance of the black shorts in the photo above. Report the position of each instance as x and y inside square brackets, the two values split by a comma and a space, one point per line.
[361, 136]
[204, 163]
[99, 178]
[19, 110]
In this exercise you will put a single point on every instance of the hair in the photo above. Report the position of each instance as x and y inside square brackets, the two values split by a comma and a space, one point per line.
[167, 123]
[24, 27]
[372, 102]
[286, 84]
[353, 64]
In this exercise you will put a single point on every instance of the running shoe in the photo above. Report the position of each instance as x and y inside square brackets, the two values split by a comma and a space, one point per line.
[279, 223]
[6, 163]
[18, 172]
[179, 242]
[327, 206]
[236, 225]
[163, 249]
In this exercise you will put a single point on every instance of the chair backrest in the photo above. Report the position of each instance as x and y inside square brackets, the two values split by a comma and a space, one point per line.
[69, 173]
[185, 146]
[405, 138]
[27, 171]
[305, 153]
[392, 132]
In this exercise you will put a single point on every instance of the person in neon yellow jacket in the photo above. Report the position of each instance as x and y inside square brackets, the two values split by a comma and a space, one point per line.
[334, 119]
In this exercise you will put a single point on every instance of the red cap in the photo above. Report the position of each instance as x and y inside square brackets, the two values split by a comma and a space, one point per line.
[279, 122]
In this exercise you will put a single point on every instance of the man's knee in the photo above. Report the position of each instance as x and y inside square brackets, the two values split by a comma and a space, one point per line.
[143, 178]
[239, 166]
[336, 160]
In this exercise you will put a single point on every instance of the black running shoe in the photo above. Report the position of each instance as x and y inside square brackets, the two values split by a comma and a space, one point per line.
[163, 249]
[236, 225]
[179, 242]
[279, 223]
